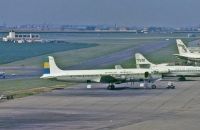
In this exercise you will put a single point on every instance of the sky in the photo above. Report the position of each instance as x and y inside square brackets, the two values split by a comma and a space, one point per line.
[172, 13]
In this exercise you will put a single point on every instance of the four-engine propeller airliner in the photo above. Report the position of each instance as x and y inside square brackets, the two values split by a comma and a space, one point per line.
[110, 76]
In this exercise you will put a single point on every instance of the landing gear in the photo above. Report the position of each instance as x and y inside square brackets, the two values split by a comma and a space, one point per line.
[111, 87]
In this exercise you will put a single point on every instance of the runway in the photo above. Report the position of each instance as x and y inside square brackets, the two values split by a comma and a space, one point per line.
[79, 108]
[25, 72]
[117, 57]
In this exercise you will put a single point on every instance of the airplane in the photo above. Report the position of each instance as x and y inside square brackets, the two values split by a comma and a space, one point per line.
[185, 53]
[173, 71]
[110, 76]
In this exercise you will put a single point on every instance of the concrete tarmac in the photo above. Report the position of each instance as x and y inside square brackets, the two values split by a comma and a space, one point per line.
[125, 108]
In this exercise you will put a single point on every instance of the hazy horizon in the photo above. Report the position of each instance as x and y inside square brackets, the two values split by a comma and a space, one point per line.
[171, 13]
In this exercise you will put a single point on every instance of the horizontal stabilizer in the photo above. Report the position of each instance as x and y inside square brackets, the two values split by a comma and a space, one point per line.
[118, 67]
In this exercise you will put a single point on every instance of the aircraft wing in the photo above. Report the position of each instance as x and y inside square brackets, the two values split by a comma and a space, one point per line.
[177, 55]
[110, 79]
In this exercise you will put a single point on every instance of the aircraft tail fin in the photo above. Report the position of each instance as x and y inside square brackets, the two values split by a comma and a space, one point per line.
[51, 67]
[142, 62]
[181, 47]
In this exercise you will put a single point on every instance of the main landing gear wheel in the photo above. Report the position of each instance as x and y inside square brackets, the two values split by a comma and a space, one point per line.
[153, 86]
[111, 87]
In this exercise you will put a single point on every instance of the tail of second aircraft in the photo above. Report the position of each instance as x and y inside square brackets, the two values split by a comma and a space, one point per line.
[181, 47]
[50, 68]
[142, 62]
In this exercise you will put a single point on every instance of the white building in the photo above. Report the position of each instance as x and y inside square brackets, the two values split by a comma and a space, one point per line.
[21, 38]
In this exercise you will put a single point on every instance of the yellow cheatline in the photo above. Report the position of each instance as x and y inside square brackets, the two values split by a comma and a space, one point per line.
[46, 64]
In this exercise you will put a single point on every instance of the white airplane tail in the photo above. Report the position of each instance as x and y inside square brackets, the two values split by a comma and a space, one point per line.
[51, 67]
[142, 62]
[181, 47]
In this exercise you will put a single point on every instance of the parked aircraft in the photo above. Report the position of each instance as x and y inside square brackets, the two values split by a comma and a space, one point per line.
[110, 76]
[173, 71]
[185, 53]
[142, 62]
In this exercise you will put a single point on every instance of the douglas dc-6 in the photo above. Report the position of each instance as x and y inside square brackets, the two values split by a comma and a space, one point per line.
[110, 76]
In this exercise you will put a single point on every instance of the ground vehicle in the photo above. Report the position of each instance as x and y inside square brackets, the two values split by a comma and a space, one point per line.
[170, 85]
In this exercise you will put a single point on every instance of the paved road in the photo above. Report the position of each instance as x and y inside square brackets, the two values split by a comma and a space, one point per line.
[78, 108]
